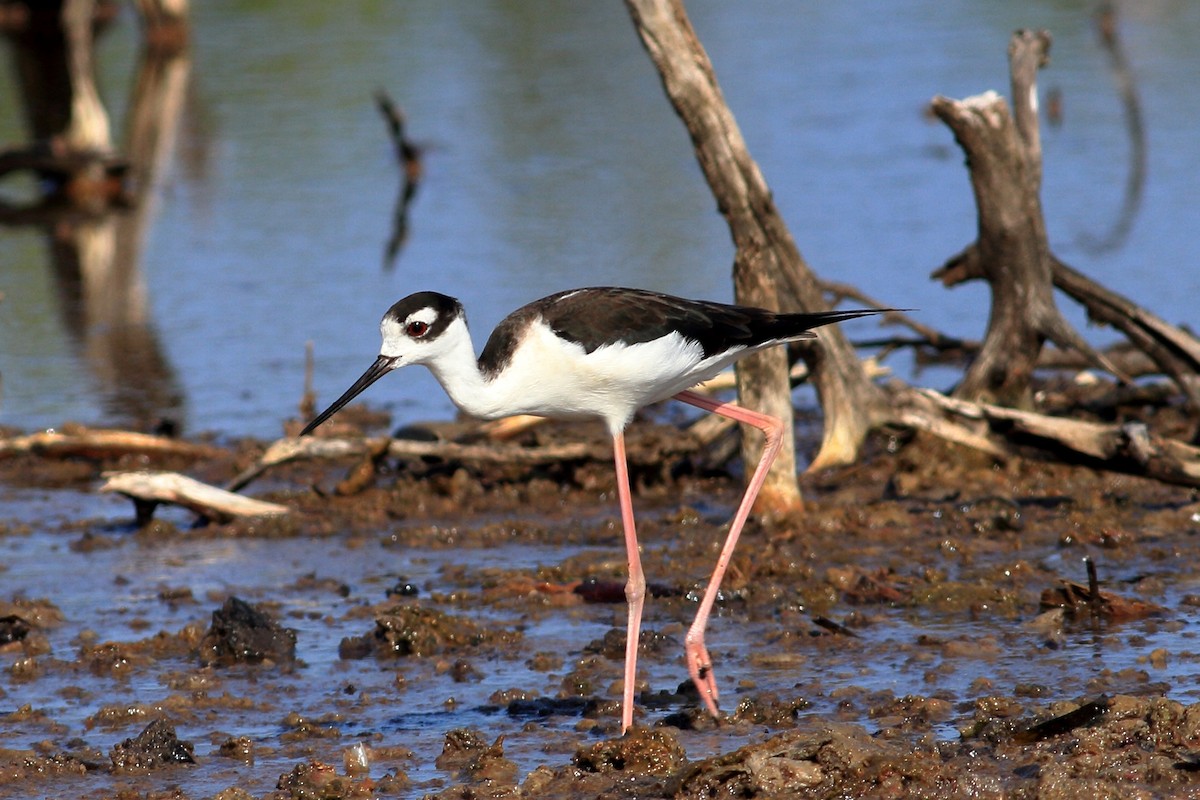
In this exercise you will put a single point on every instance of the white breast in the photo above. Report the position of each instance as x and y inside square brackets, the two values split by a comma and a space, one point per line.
[557, 378]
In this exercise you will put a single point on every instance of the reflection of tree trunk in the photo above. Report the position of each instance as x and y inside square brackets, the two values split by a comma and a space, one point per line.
[88, 130]
[71, 150]
[39, 55]
[1135, 183]
[164, 24]
[123, 345]
[153, 124]
[96, 255]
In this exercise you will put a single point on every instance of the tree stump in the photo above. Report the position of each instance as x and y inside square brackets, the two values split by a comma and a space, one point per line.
[1011, 252]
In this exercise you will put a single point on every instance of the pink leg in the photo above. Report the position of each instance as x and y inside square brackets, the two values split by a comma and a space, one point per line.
[699, 664]
[635, 587]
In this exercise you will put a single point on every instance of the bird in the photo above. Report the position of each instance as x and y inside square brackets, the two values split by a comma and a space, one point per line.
[599, 352]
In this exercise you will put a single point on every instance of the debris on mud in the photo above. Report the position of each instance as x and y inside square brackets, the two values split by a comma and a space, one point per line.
[466, 752]
[642, 751]
[411, 630]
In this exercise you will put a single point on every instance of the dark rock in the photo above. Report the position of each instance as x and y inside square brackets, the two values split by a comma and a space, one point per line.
[155, 747]
[242, 634]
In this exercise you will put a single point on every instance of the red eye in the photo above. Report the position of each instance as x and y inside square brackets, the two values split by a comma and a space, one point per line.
[417, 329]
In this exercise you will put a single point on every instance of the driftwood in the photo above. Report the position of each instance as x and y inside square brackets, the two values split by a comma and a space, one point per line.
[150, 489]
[1175, 351]
[768, 268]
[101, 444]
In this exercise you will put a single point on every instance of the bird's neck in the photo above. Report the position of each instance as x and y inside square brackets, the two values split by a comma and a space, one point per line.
[457, 370]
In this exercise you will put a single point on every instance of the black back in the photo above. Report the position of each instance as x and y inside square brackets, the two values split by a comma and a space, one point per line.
[598, 316]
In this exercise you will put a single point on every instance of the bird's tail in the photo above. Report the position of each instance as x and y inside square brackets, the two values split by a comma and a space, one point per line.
[797, 325]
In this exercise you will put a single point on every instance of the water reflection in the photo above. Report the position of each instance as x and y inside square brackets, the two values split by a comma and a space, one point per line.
[408, 155]
[1135, 182]
[92, 207]
[553, 160]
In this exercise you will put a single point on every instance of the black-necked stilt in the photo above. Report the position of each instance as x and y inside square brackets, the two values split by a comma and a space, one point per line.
[601, 352]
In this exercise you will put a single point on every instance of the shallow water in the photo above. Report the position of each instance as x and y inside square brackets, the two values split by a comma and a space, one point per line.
[553, 160]
[125, 587]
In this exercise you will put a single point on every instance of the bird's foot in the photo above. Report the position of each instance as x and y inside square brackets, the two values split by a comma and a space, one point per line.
[700, 668]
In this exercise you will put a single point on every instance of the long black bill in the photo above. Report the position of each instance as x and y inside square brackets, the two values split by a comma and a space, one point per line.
[382, 366]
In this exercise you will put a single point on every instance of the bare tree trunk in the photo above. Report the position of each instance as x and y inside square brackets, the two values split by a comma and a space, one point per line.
[768, 269]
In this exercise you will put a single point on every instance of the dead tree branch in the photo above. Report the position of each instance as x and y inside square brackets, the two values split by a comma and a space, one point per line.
[150, 489]
[1175, 351]
[100, 444]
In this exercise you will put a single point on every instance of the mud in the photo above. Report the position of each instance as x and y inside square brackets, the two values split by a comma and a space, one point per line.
[926, 628]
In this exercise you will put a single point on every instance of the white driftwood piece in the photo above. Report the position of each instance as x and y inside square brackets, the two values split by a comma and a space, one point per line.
[171, 487]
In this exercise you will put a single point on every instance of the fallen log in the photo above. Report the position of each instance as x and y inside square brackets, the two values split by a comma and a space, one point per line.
[1176, 351]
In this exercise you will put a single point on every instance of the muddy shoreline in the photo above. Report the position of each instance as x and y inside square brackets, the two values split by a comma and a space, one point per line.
[457, 631]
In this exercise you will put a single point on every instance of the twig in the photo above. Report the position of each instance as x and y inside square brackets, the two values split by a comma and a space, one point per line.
[1093, 588]
[1086, 714]
[308, 400]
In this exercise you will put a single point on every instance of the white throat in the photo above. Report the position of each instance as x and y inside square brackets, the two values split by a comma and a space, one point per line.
[451, 359]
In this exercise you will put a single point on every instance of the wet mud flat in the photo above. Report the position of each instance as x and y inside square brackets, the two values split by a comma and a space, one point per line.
[927, 628]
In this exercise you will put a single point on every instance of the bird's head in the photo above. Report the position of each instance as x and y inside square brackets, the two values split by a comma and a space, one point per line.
[412, 332]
